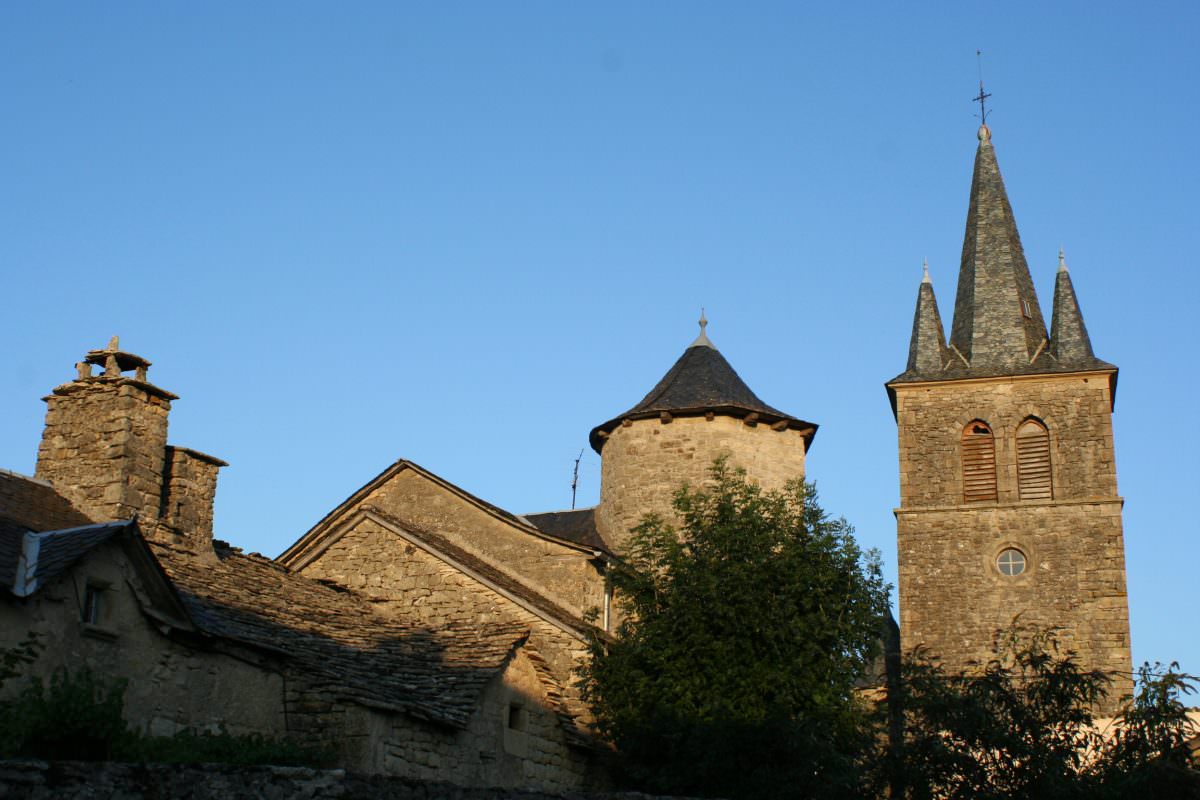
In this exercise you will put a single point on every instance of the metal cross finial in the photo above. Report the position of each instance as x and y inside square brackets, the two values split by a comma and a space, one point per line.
[983, 96]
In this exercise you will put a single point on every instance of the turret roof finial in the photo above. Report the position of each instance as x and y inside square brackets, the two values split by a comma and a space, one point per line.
[1062, 260]
[702, 339]
[925, 277]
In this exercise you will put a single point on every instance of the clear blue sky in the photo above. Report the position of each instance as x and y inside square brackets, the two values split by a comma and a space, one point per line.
[465, 233]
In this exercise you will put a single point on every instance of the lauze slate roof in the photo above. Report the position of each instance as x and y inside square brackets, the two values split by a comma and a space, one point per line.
[998, 328]
[336, 640]
[576, 525]
[699, 382]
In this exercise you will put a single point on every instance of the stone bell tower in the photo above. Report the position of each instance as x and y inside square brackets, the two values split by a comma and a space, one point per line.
[701, 409]
[1008, 484]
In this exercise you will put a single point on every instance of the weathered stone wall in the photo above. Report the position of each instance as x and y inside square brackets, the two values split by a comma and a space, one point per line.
[1077, 412]
[403, 579]
[104, 446]
[644, 463]
[563, 574]
[513, 740]
[170, 686]
[38, 780]
[953, 597]
[188, 494]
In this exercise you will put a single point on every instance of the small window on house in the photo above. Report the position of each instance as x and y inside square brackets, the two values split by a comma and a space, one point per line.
[1033, 461]
[1025, 312]
[93, 604]
[1010, 562]
[516, 717]
[978, 463]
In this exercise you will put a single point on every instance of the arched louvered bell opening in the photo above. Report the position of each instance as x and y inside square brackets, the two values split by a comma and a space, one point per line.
[1033, 461]
[979, 463]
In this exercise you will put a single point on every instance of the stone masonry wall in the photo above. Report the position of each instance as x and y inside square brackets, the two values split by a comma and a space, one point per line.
[953, 598]
[104, 447]
[565, 575]
[170, 686]
[402, 579]
[191, 488]
[644, 463]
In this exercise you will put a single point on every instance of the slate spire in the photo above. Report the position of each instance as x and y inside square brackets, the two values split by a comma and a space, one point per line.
[1069, 340]
[927, 348]
[998, 326]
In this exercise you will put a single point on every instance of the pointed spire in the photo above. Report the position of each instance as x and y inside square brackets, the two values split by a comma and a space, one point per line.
[927, 348]
[702, 339]
[1069, 340]
[998, 325]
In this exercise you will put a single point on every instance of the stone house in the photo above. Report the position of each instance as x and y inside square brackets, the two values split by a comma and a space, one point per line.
[425, 632]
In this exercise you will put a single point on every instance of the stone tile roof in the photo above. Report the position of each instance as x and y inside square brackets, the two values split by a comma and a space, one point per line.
[998, 328]
[58, 550]
[50, 554]
[699, 382]
[336, 639]
[577, 525]
[35, 505]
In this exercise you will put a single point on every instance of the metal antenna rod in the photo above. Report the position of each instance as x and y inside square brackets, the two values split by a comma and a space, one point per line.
[983, 96]
[575, 478]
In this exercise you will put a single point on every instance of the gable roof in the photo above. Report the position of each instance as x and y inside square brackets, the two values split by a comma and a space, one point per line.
[337, 640]
[699, 382]
[315, 535]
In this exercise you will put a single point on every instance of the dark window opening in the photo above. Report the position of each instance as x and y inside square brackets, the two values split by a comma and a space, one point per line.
[93, 604]
[516, 717]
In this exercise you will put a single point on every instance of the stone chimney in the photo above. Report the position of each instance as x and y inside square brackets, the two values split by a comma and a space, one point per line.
[190, 486]
[105, 443]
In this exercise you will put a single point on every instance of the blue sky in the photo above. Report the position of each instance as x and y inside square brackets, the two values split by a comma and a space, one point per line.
[465, 233]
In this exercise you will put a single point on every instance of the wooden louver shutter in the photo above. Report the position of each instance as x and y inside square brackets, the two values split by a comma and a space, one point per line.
[1033, 461]
[979, 463]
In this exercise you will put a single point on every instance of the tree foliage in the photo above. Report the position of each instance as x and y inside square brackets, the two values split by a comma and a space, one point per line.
[1024, 726]
[743, 634]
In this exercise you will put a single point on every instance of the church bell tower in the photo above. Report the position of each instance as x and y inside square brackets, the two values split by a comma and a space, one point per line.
[1008, 485]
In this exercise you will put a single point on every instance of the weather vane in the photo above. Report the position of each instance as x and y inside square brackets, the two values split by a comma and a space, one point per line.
[983, 96]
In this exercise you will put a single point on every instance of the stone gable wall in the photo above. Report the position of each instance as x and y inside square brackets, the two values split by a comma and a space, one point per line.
[644, 463]
[953, 597]
[402, 579]
[563, 574]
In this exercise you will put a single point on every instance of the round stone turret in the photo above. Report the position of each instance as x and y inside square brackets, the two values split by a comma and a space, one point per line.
[699, 411]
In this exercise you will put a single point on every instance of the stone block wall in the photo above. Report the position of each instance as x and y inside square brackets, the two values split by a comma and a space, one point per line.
[170, 686]
[190, 487]
[565, 575]
[644, 463]
[953, 595]
[1076, 410]
[400, 578]
[104, 446]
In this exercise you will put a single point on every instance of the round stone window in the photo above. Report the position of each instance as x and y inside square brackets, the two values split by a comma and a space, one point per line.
[1011, 561]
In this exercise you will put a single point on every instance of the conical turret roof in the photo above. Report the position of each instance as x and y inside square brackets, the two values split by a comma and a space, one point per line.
[702, 381]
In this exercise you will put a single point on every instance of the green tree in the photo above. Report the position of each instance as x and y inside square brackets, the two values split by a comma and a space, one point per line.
[744, 632]
[1023, 726]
